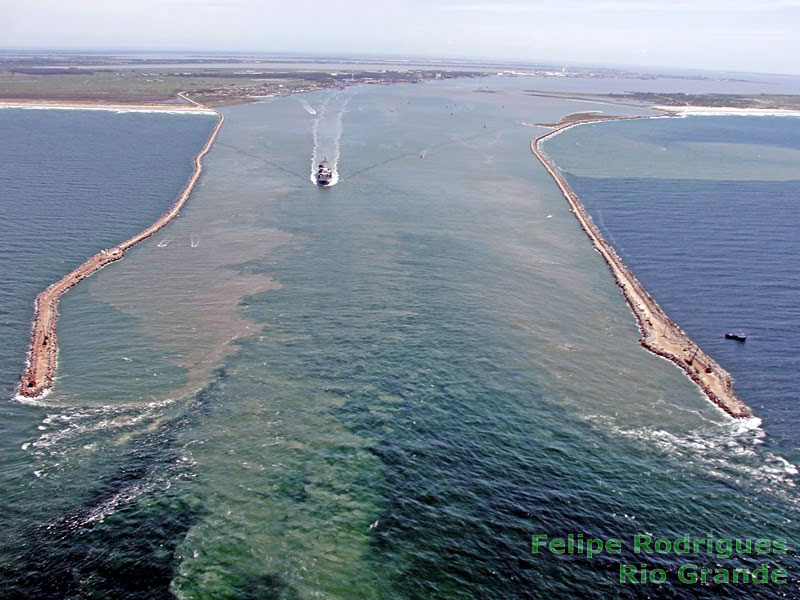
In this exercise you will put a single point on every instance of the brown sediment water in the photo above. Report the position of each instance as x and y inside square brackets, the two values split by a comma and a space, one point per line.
[660, 335]
[40, 371]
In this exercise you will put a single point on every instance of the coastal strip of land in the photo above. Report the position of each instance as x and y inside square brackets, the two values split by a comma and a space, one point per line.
[40, 371]
[191, 108]
[660, 335]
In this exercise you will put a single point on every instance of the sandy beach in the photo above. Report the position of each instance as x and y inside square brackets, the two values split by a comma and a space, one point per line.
[39, 374]
[192, 108]
[728, 111]
[660, 335]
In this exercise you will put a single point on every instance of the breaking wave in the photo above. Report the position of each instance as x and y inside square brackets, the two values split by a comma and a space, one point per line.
[733, 451]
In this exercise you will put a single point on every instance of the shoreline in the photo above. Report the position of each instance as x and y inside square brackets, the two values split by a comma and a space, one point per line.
[728, 111]
[659, 334]
[42, 358]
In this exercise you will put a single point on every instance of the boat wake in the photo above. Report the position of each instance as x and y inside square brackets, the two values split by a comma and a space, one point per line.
[304, 103]
[327, 131]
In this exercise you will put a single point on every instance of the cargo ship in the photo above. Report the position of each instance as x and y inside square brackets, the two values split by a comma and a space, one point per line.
[324, 174]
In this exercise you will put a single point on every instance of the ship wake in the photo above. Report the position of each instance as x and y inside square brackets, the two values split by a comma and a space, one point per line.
[306, 106]
[327, 131]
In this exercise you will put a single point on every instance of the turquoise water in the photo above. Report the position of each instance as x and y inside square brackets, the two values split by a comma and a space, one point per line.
[377, 390]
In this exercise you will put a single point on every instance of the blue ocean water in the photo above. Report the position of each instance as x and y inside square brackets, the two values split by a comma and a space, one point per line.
[719, 254]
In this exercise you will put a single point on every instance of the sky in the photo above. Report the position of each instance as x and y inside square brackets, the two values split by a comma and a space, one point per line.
[732, 35]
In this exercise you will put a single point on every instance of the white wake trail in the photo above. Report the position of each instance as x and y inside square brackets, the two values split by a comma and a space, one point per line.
[304, 103]
[327, 132]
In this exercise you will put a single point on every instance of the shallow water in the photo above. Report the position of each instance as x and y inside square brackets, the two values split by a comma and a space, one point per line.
[379, 389]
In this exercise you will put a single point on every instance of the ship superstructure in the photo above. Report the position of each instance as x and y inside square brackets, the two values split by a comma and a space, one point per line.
[324, 174]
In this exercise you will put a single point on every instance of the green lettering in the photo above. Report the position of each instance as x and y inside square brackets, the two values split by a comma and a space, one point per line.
[663, 546]
[687, 574]
[761, 574]
[593, 546]
[744, 573]
[724, 548]
[614, 546]
[763, 546]
[779, 546]
[681, 545]
[642, 542]
[557, 546]
[627, 574]
[778, 576]
[658, 576]
[538, 540]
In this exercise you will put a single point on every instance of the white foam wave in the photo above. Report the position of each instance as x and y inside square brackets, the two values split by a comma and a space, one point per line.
[739, 426]
[72, 429]
[731, 451]
[37, 401]
[69, 430]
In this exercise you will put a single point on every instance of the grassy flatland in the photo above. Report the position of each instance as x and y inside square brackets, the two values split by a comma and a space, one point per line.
[218, 83]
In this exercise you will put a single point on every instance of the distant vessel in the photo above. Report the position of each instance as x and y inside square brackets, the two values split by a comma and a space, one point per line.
[739, 336]
[324, 174]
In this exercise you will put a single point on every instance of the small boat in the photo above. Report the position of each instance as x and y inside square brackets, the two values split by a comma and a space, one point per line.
[739, 336]
[324, 173]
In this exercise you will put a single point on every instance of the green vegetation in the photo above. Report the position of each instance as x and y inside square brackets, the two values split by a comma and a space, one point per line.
[222, 82]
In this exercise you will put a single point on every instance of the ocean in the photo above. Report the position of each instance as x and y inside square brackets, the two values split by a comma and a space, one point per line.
[710, 227]
[384, 388]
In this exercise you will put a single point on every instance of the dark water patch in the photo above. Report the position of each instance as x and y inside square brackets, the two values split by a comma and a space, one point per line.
[129, 555]
[460, 506]
[719, 256]
[121, 541]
